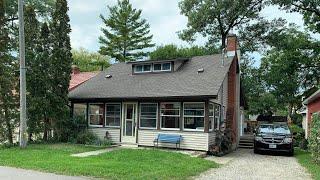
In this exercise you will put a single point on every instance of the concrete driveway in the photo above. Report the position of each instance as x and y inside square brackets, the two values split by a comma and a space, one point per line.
[7, 173]
[244, 164]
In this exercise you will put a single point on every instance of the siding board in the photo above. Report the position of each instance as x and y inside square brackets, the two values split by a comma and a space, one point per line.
[101, 133]
[191, 140]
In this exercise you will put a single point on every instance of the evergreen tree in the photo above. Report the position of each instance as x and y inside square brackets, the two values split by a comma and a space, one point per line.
[125, 33]
[44, 87]
[8, 81]
[33, 104]
[60, 68]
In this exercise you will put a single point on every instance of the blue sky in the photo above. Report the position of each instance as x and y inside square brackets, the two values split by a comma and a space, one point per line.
[162, 15]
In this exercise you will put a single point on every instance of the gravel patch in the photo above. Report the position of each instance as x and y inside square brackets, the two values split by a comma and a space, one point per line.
[244, 164]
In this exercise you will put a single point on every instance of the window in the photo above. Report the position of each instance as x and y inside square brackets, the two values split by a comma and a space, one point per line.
[217, 116]
[148, 115]
[142, 68]
[170, 115]
[113, 114]
[211, 116]
[80, 112]
[162, 67]
[193, 116]
[96, 114]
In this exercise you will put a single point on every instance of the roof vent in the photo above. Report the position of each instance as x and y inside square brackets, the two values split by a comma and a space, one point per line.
[200, 70]
[108, 76]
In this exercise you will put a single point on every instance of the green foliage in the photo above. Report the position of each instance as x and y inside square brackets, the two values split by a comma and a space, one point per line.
[314, 139]
[61, 61]
[265, 104]
[8, 78]
[291, 65]
[143, 163]
[298, 134]
[86, 137]
[310, 9]
[125, 34]
[215, 19]
[171, 51]
[306, 160]
[88, 61]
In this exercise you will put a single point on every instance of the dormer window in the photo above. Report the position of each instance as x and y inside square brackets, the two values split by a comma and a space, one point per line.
[143, 68]
[159, 67]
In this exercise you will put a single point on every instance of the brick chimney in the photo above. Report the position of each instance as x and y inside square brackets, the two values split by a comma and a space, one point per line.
[232, 45]
[75, 69]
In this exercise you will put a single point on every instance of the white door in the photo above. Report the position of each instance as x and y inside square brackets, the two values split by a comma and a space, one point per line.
[129, 125]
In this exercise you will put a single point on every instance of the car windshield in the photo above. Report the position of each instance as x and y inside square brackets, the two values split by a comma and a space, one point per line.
[274, 128]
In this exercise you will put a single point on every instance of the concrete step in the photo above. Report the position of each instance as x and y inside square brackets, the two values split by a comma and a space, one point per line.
[246, 147]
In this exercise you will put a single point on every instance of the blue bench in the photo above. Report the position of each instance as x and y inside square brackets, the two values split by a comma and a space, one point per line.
[168, 138]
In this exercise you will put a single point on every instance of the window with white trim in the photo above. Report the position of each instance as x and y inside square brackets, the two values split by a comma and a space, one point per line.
[158, 67]
[113, 114]
[193, 116]
[211, 116]
[148, 115]
[96, 114]
[80, 111]
[217, 116]
[142, 68]
[170, 115]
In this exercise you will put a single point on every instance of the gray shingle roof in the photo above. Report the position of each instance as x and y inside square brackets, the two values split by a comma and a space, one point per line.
[184, 82]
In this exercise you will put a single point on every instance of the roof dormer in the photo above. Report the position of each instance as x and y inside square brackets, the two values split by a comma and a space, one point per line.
[155, 66]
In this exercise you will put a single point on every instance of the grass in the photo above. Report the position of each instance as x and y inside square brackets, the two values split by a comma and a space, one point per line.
[305, 159]
[118, 164]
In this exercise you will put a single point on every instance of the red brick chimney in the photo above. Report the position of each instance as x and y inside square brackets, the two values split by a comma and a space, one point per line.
[232, 45]
[75, 69]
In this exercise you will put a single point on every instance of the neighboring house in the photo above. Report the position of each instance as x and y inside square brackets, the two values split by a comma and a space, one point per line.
[313, 107]
[135, 101]
[78, 77]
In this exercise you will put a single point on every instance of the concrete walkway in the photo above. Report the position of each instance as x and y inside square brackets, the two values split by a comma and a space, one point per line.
[7, 173]
[95, 153]
[245, 165]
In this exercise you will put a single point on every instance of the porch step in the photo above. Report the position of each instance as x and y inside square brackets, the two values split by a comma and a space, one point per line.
[246, 142]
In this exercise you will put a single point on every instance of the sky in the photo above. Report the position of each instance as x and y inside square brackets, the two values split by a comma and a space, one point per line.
[163, 16]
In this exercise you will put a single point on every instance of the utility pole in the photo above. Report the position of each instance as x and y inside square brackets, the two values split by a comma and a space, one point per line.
[23, 109]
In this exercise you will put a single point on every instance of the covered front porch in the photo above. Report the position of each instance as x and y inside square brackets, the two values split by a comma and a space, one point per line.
[139, 122]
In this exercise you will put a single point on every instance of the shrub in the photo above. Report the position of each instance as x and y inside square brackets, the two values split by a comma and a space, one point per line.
[314, 139]
[86, 137]
[304, 144]
[298, 134]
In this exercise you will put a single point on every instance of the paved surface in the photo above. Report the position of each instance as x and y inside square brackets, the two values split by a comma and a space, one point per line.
[94, 153]
[245, 165]
[7, 173]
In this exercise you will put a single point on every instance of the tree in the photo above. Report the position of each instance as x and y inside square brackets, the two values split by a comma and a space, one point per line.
[60, 68]
[125, 35]
[310, 9]
[88, 61]
[8, 79]
[291, 66]
[215, 19]
[31, 39]
[172, 51]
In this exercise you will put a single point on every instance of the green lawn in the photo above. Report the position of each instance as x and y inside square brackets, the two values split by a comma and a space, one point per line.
[118, 164]
[305, 160]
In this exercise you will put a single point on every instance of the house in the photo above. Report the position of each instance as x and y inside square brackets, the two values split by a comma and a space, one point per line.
[312, 104]
[78, 77]
[136, 101]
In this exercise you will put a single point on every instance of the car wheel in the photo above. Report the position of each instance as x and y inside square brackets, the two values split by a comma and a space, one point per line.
[255, 151]
[291, 153]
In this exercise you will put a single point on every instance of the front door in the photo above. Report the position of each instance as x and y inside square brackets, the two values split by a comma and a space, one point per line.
[129, 125]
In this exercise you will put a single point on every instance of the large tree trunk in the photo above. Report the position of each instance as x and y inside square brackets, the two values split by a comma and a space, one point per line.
[223, 41]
